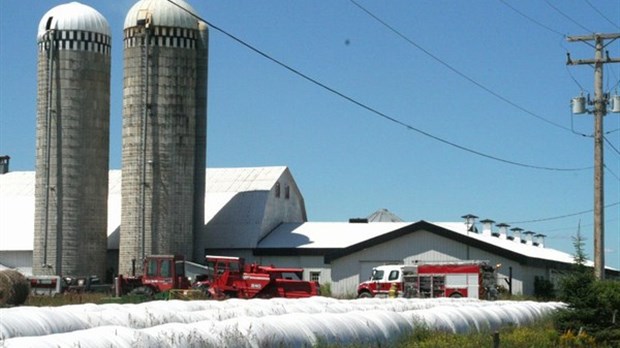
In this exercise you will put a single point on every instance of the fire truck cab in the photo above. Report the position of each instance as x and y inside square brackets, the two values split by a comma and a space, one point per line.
[473, 279]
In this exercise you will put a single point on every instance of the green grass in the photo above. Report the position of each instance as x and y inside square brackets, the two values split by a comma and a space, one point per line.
[63, 299]
[540, 335]
[70, 299]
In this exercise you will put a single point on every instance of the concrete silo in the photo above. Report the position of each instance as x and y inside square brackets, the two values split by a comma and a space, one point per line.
[72, 142]
[164, 131]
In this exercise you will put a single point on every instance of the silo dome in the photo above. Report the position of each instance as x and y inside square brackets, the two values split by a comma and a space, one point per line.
[73, 16]
[163, 13]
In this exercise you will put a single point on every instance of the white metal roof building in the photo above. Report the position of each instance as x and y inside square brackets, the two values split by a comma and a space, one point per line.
[259, 213]
[345, 253]
[242, 205]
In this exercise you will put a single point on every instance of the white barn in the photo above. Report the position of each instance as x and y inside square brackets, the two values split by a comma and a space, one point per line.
[345, 253]
[241, 206]
[259, 213]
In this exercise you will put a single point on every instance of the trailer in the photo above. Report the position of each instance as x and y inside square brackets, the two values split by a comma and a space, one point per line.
[473, 279]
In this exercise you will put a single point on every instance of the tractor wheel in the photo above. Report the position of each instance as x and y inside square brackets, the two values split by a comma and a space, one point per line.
[364, 294]
[143, 291]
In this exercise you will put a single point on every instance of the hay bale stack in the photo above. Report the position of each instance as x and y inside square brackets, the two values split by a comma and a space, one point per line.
[14, 288]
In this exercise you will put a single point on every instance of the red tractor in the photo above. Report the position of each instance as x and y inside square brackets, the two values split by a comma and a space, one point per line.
[162, 273]
[231, 277]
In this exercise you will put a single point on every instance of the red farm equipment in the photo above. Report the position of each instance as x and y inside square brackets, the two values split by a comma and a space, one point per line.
[231, 277]
[161, 274]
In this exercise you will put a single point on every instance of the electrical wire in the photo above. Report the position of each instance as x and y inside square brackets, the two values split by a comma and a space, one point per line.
[562, 216]
[574, 79]
[611, 172]
[567, 17]
[611, 145]
[371, 109]
[617, 152]
[602, 15]
[532, 19]
[456, 71]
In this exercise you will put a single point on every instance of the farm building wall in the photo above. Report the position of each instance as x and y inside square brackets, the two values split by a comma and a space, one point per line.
[314, 266]
[284, 204]
[245, 204]
[21, 259]
[348, 271]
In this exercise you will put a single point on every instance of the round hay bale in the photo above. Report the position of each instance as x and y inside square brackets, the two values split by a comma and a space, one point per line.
[14, 288]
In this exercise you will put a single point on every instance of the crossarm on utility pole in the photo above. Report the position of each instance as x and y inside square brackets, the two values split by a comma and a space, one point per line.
[600, 109]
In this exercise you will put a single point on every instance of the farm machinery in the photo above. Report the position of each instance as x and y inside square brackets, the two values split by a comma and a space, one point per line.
[225, 277]
[161, 275]
[166, 276]
[231, 277]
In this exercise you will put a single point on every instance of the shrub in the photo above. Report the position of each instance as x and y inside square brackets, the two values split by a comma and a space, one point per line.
[543, 289]
[325, 289]
[592, 305]
[581, 339]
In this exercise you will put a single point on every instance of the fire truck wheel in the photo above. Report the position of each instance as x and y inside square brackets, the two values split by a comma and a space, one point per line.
[143, 291]
[364, 294]
[456, 295]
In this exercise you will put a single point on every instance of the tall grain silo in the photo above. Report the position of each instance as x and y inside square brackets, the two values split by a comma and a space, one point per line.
[72, 142]
[164, 131]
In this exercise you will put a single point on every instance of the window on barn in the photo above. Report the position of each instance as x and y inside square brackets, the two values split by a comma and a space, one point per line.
[277, 190]
[315, 276]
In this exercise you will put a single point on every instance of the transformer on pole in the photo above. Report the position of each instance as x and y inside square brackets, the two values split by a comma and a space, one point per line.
[599, 110]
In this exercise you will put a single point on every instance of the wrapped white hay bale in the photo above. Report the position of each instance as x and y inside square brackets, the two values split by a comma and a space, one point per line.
[14, 288]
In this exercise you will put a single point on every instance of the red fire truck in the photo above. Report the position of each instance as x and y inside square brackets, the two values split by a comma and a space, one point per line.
[473, 279]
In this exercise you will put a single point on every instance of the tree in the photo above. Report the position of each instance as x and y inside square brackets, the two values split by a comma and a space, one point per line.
[590, 303]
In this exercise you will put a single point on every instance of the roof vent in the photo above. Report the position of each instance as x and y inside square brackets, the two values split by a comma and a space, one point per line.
[503, 230]
[540, 240]
[487, 226]
[358, 220]
[529, 240]
[516, 234]
[4, 164]
[470, 222]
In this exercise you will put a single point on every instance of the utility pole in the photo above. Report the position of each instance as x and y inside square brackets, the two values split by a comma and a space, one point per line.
[599, 111]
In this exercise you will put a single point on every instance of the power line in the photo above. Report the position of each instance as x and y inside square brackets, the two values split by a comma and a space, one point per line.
[371, 109]
[532, 19]
[601, 13]
[561, 216]
[611, 172]
[611, 145]
[456, 71]
[567, 17]
[574, 79]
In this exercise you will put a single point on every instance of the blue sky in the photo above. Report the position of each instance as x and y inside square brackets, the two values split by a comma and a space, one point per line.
[348, 161]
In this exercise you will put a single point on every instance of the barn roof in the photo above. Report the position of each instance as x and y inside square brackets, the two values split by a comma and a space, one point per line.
[337, 239]
[223, 184]
[326, 235]
[17, 203]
